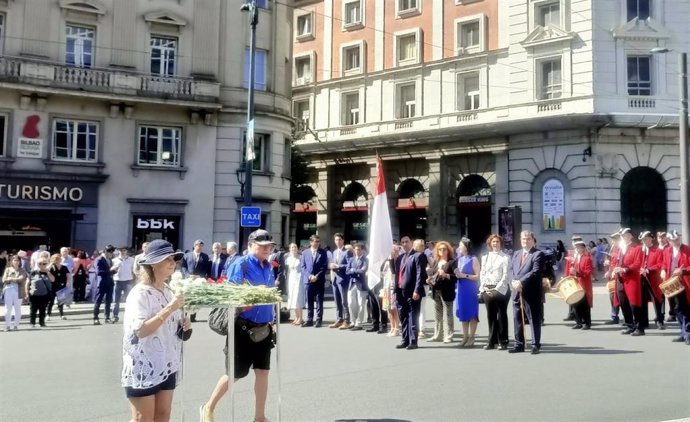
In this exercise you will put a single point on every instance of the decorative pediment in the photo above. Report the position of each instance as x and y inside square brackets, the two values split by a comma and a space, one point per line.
[543, 35]
[164, 18]
[83, 6]
[636, 29]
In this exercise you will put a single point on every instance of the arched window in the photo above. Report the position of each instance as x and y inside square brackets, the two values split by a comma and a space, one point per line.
[355, 195]
[643, 200]
[411, 188]
[474, 185]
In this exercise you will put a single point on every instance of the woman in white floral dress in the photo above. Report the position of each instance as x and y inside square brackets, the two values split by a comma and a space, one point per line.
[296, 291]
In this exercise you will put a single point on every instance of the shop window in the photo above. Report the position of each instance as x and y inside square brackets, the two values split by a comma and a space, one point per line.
[163, 56]
[79, 43]
[639, 9]
[160, 146]
[262, 144]
[75, 140]
[259, 69]
[639, 75]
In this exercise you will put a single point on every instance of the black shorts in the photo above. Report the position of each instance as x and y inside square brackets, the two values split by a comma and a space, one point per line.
[168, 384]
[248, 354]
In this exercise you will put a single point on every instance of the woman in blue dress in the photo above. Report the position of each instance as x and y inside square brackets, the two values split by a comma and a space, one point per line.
[466, 300]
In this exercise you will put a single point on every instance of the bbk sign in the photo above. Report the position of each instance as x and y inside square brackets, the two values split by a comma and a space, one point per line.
[155, 224]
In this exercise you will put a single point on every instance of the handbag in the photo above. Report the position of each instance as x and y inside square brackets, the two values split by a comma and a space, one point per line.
[65, 296]
[218, 321]
[258, 333]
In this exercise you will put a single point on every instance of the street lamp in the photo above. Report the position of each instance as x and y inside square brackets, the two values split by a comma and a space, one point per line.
[241, 177]
[682, 138]
[253, 10]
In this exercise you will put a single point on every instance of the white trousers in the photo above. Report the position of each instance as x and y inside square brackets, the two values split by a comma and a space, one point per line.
[12, 302]
[357, 301]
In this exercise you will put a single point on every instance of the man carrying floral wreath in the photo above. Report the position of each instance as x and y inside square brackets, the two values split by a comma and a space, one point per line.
[253, 339]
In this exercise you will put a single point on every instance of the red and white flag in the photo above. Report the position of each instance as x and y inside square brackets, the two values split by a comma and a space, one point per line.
[380, 232]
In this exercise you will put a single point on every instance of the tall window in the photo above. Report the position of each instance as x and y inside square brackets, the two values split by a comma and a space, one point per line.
[407, 48]
[3, 134]
[260, 69]
[550, 84]
[261, 151]
[353, 13]
[406, 101]
[78, 46]
[304, 25]
[468, 91]
[469, 35]
[302, 113]
[302, 70]
[2, 34]
[163, 56]
[407, 5]
[638, 9]
[74, 140]
[639, 75]
[549, 15]
[160, 146]
[351, 108]
[351, 59]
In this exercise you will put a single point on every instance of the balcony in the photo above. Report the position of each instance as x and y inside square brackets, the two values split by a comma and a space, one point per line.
[107, 82]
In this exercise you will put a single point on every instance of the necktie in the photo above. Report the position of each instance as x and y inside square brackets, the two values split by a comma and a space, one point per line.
[215, 267]
[313, 255]
[522, 259]
[400, 271]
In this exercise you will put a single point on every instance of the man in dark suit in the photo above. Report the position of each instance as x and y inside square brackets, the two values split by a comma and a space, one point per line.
[527, 267]
[340, 282]
[314, 267]
[197, 262]
[410, 270]
[217, 261]
[233, 254]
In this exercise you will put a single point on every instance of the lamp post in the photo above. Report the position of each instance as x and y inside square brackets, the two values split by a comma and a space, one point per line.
[253, 10]
[241, 177]
[683, 139]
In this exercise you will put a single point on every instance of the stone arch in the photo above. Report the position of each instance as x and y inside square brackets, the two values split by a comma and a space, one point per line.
[643, 198]
[411, 188]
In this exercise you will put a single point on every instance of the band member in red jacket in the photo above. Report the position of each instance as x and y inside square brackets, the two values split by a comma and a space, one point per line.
[580, 266]
[610, 263]
[652, 262]
[663, 245]
[629, 288]
[677, 263]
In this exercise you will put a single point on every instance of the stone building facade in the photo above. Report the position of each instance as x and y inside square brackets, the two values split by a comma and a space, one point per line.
[557, 107]
[123, 121]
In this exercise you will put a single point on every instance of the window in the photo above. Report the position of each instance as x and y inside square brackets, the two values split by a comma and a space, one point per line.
[468, 91]
[287, 158]
[261, 146]
[550, 79]
[302, 70]
[302, 114]
[163, 55]
[259, 69]
[469, 35]
[304, 25]
[407, 5]
[549, 15]
[2, 34]
[75, 140]
[352, 59]
[407, 48]
[353, 13]
[160, 146]
[639, 75]
[639, 9]
[350, 108]
[406, 101]
[3, 134]
[78, 46]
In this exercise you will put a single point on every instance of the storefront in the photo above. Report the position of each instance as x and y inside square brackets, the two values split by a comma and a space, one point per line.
[474, 209]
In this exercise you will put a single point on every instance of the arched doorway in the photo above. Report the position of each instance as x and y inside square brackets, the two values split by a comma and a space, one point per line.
[355, 212]
[643, 200]
[304, 212]
[474, 208]
[413, 201]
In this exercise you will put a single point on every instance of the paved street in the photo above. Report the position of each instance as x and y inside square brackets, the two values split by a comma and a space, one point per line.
[70, 372]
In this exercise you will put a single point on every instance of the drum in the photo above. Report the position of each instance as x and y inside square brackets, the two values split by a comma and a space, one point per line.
[672, 287]
[570, 290]
[611, 285]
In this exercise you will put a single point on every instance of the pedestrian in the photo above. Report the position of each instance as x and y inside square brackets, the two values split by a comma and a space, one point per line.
[26, 263]
[340, 282]
[422, 302]
[581, 267]
[677, 264]
[104, 273]
[251, 351]
[389, 285]
[442, 281]
[154, 328]
[66, 258]
[629, 288]
[527, 289]
[124, 279]
[466, 300]
[314, 266]
[411, 278]
[38, 289]
[217, 261]
[357, 294]
[80, 275]
[62, 278]
[495, 290]
[296, 290]
[196, 264]
[137, 258]
[652, 263]
[232, 249]
[14, 290]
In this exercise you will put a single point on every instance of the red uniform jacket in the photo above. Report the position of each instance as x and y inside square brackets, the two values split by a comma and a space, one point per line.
[653, 260]
[583, 272]
[613, 263]
[683, 263]
[631, 262]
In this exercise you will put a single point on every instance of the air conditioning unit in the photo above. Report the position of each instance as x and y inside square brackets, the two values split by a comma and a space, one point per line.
[460, 51]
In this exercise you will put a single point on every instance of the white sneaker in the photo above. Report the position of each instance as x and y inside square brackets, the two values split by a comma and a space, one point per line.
[63, 317]
[7, 329]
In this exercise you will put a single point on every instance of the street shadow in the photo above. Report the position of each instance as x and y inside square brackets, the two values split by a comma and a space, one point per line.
[373, 420]
[575, 350]
[44, 329]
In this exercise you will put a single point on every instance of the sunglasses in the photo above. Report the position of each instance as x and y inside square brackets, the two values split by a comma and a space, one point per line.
[43, 264]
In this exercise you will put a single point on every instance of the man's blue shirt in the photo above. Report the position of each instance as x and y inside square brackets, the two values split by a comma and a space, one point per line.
[256, 275]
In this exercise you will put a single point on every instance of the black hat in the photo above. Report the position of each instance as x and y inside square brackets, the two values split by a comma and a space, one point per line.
[261, 237]
[159, 250]
[109, 248]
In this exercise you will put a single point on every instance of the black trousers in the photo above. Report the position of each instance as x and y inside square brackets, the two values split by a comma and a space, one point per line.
[79, 288]
[648, 296]
[534, 310]
[38, 304]
[409, 317]
[105, 292]
[315, 293]
[583, 313]
[497, 317]
[378, 315]
[625, 306]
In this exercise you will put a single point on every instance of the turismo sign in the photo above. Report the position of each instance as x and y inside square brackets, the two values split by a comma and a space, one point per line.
[40, 192]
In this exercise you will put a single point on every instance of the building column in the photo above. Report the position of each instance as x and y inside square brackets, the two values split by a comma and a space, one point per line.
[435, 212]
[502, 192]
[323, 227]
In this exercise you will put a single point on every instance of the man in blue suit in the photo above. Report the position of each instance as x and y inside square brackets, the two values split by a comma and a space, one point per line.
[340, 282]
[197, 262]
[314, 267]
[358, 292]
[217, 261]
[527, 267]
[232, 249]
[410, 269]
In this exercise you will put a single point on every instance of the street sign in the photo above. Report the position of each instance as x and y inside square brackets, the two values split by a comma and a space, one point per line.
[250, 217]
